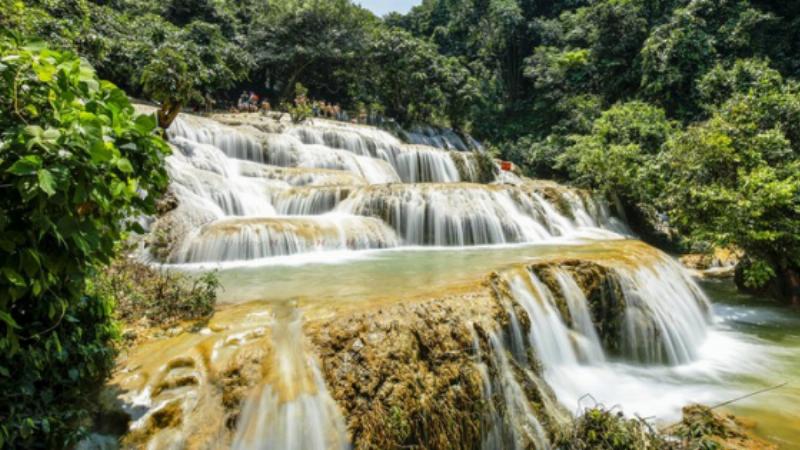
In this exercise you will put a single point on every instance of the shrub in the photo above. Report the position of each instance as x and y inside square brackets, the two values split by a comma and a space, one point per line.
[301, 109]
[152, 297]
[75, 163]
[600, 428]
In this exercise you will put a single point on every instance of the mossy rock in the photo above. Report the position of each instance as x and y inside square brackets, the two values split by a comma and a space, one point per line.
[603, 292]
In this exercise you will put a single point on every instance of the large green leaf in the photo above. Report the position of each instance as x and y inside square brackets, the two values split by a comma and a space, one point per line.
[27, 165]
[46, 182]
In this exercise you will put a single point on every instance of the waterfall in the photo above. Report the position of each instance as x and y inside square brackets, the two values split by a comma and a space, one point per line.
[300, 176]
[665, 315]
[292, 409]
[441, 138]
[589, 348]
[517, 427]
[548, 334]
[207, 174]
[413, 163]
[255, 238]
[257, 194]
[244, 194]
[287, 151]
[310, 201]
[462, 214]
[231, 141]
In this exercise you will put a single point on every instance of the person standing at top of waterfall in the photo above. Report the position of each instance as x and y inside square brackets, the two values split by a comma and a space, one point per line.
[243, 99]
[253, 103]
[265, 106]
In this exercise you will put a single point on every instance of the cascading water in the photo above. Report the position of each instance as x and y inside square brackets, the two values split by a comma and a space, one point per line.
[413, 163]
[246, 194]
[517, 427]
[256, 238]
[292, 409]
[441, 138]
[310, 201]
[587, 342]
[465, 214]
[665, 315]
[664, 321]
[232, 142]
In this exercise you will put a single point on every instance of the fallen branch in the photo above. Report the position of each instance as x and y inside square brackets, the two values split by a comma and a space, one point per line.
[728, 402]
[761, 391]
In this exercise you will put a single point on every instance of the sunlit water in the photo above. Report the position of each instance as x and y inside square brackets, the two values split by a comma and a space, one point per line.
[751, 345]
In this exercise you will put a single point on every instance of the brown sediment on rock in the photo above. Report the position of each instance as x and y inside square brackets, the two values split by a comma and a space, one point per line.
[716, 257]
[718, 262]
[702, 427]
[403, 374]
[601, 287]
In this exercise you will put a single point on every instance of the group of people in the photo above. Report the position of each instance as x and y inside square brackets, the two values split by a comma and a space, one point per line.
[329, 111]
[335, 112]
[249, 102]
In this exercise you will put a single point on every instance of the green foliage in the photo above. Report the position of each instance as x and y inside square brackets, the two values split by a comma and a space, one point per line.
[167, 79]
[76, 163]
[121, 38]
[415, 80]
[732, 180]
[679, 52]
[300, 109]
[619, 154]
[736, 177]
[700, 429]
[319, 43]
[153, 297]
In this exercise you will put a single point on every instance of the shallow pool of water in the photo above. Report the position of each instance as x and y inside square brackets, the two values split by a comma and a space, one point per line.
[397, 273]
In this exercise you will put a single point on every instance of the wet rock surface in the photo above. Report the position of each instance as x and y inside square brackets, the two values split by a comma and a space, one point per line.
[404, 375]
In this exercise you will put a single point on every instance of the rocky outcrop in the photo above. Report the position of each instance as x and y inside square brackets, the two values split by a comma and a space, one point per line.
[603, 293]
[717, 263]
[404, 375]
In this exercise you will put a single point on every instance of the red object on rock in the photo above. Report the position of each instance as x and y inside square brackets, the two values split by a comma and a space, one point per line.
[505, 165]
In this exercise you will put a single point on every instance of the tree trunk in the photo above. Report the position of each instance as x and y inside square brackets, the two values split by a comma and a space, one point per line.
[791, 286]
[168, 112]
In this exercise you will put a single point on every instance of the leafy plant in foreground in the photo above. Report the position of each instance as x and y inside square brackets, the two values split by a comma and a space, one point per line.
[76, 162]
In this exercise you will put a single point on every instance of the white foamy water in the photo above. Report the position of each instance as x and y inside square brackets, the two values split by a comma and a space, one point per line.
[292, 409]
[244, 194]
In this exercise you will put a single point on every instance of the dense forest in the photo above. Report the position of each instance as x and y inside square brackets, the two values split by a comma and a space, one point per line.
[685, 112]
